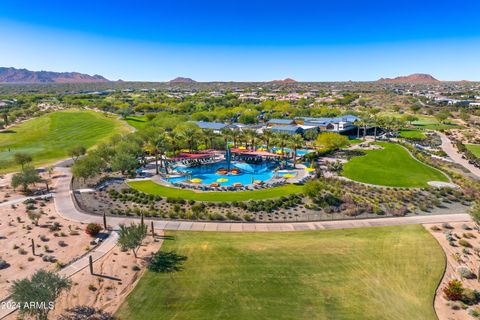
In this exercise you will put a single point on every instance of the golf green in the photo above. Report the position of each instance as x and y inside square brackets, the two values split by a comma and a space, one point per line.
[368, 273]
[150, 187]
[47, 138]
[391, 166]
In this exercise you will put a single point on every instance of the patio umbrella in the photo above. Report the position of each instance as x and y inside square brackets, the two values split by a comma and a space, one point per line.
[309, 169]
[196, 180]
[222, 180]
[288, 175]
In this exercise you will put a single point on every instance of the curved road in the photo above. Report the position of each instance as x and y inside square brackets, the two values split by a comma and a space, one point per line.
[452, 152]
[66, 208]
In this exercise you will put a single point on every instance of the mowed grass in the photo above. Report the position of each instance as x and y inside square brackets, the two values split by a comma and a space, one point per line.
[412, 134]
[474, 148]
[368, 273]
[47, 138]
[138, 122]
[151, 187]
[391, 166]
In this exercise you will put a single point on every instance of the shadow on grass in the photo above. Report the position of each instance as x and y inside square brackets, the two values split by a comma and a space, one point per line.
[166, 262]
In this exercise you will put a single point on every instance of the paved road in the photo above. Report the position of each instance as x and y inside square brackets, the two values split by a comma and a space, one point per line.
[65, 207]
[452, 152]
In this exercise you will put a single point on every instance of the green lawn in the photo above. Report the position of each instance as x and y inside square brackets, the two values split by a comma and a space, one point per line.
[48, 137]
[391, 166]
[370, 273]
[432, 124]
[138, 122]
[412, 134]
[474, 148]
[150, 187]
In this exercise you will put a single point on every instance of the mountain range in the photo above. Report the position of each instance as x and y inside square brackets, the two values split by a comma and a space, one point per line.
[413, 78]
[13, 75]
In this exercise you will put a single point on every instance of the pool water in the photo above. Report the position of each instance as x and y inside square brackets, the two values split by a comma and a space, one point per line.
[208, 175]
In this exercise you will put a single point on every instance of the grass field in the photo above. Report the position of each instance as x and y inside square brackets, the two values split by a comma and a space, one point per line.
[391, 166]
[150, 187]
[474, 148]
[138, 122]
[415, 134]
[47, 138]
[369, 273]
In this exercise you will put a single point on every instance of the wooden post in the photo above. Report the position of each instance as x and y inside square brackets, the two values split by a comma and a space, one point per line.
[142, 222]
[104, 221]
[153, 229]
[90, 262]
[33, 247]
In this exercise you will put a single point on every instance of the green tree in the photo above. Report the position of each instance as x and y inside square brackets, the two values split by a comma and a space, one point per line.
[131, 237]
[42, 289]
[22, 158]
[124, 162]
[76, 152]
[88, 166]
[26, 177]
[330, 141]
[296, 142]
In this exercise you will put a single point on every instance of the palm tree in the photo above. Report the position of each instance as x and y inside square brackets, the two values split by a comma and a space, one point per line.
[251, 136]
[282, 139]
[296, 142]
[189, 134]
[208, 137]
[267, 137]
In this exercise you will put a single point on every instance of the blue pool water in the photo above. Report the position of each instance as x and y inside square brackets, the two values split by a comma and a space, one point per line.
[207, 173]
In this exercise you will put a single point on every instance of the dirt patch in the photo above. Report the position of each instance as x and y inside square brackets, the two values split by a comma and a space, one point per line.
[116, 274]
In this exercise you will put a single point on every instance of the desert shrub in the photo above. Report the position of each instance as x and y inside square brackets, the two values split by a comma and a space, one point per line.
[3, 264]
[470, 296]
[54, 227]
[453, 291]
[465, 273]
[93, 229]
[464, 243]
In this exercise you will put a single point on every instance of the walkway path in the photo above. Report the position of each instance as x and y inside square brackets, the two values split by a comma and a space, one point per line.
[452, 152]
[66, 208]
[18, 200]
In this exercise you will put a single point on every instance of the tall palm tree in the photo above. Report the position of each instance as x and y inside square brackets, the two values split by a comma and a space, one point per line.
[267, 137]
[189, 134]
[282, 139]
[251, 137]
[295, 142]
[208, 136]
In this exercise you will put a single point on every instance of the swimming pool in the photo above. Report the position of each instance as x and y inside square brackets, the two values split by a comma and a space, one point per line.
[207, 173]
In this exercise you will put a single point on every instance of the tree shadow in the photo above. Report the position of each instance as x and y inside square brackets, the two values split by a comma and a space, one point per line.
[106, 277]
[167, 262]
[165, 237]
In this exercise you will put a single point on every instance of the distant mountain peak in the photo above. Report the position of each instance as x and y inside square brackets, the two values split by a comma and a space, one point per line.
[13, 75]
[182, 80]
[413, 78]
[286, 80]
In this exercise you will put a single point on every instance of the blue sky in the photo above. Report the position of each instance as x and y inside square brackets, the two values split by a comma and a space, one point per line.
[244, 40]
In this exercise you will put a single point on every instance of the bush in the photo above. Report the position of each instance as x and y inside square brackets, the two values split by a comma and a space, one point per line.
[93, 229]
[470, 296]
[3, 264]
[465, 273]
[464, 243]
[453, 290]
